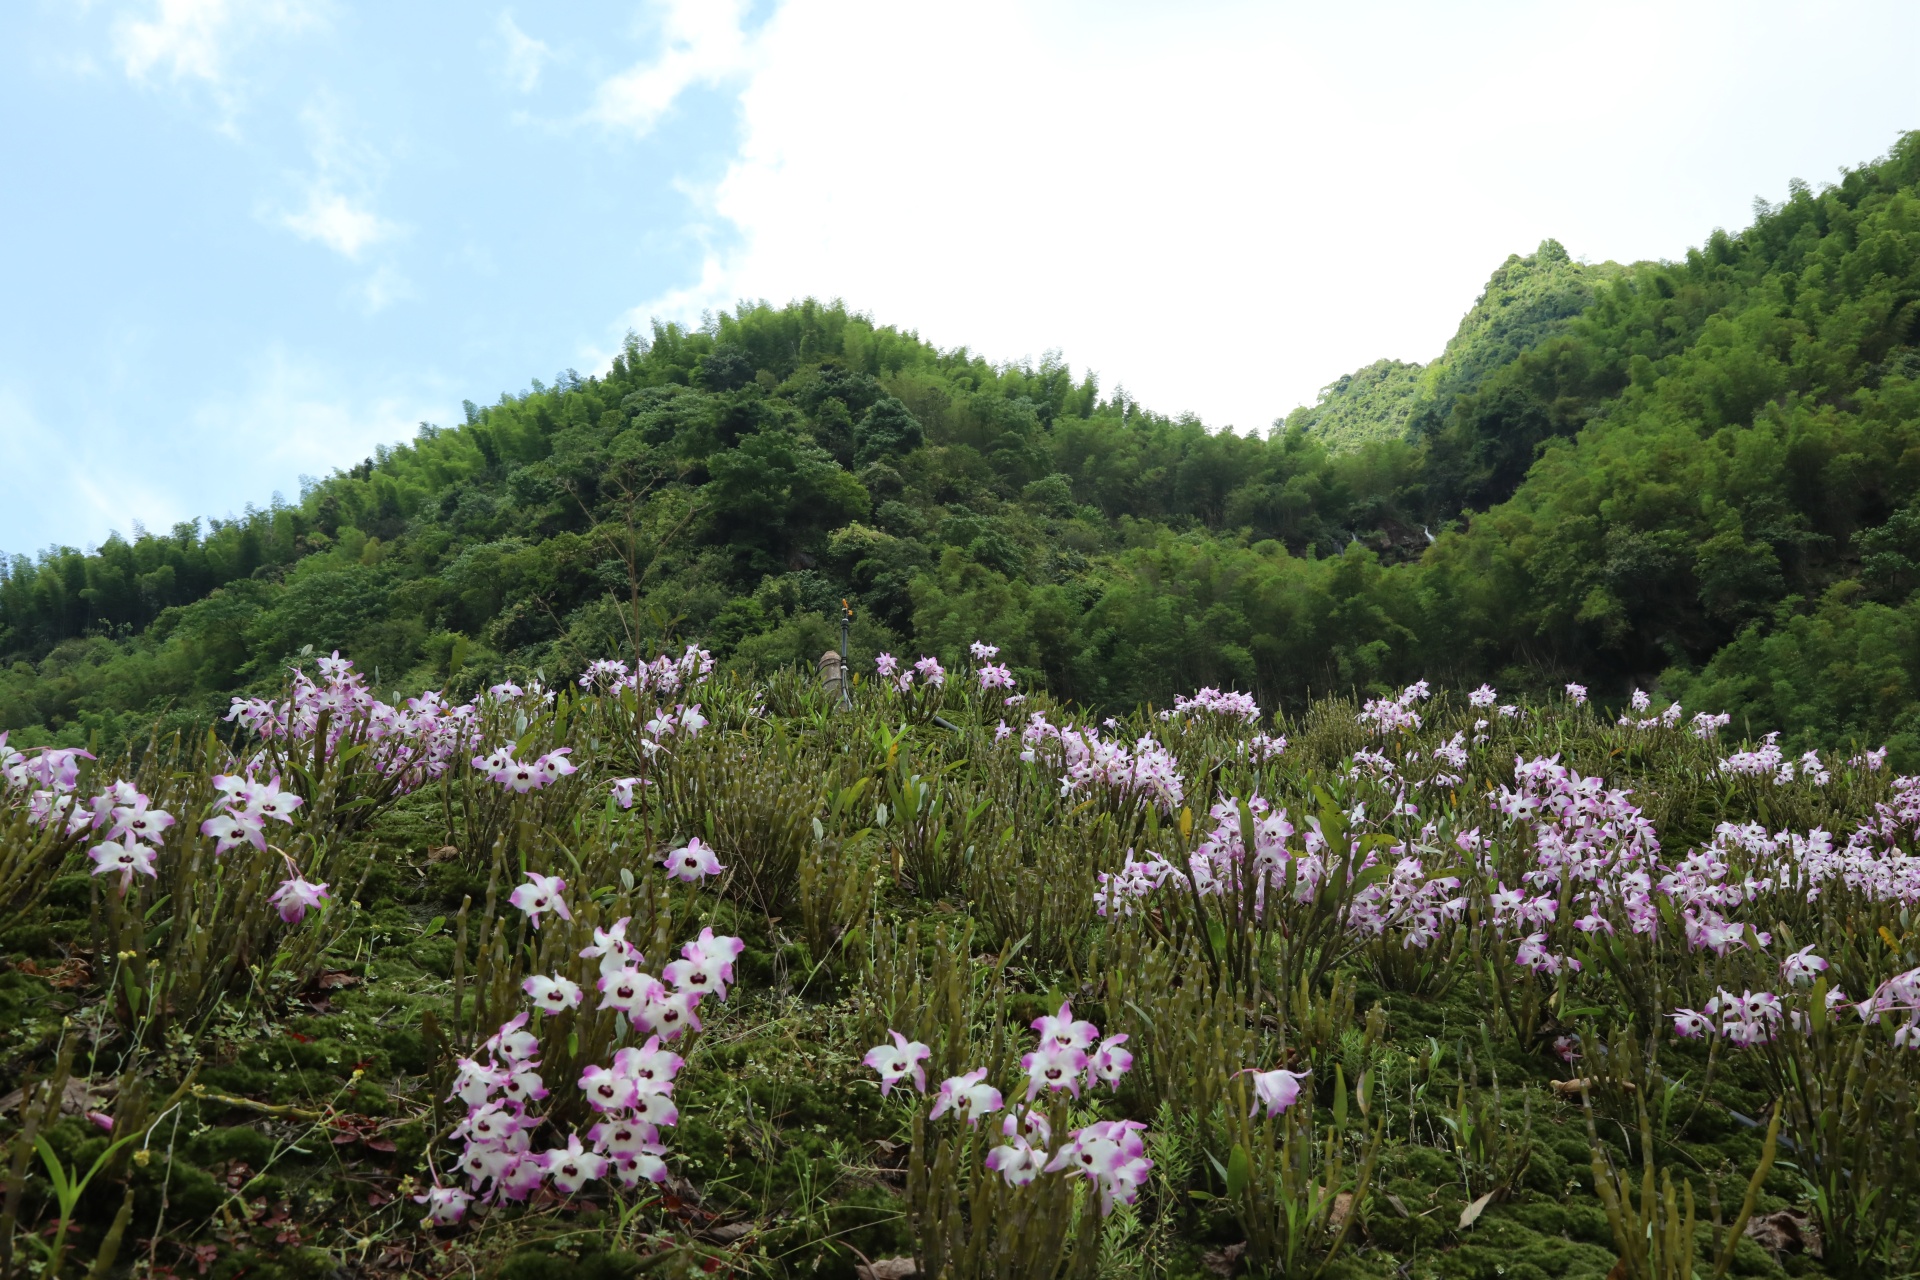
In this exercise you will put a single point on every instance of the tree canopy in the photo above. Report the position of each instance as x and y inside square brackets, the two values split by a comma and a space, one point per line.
[1701, 475]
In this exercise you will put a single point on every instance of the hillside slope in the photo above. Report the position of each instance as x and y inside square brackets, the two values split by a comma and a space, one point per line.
[1526, 301]
[1705, 479]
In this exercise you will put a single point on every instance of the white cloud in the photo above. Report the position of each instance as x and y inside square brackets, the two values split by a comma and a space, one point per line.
[195, 39]
[384, 288]
[1227, 205]
[526, 56]
[345, 223]
[291, 419]
[702, 43]
[338, 223]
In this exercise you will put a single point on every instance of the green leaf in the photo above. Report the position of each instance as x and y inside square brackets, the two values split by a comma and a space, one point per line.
[1239, 1172]
[434, 926]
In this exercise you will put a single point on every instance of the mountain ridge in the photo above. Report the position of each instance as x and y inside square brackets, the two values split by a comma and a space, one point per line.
[1704, 478]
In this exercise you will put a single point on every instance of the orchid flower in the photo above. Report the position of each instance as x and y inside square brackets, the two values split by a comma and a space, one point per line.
[650, 1067]
[898, 1061]
[126, 857]
[628, 990]
[692, 863]
[1061, 1028]
[554, 994]
[295, 897]
[572, 1166]
[969, 1094]
[611, 948]
[1017, 1161]
[445, 1205]
[1276, 1090]
[669, 1016]
[540, 895]
[1053, 1067]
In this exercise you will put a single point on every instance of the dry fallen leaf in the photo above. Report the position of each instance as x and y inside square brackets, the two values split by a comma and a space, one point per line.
[1784, 1231]
[1570, 1088]
[1225, 1262]
[79, 1097]
[1471, 1214]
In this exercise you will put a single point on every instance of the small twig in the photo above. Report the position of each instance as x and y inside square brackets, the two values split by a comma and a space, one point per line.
[289, 1112]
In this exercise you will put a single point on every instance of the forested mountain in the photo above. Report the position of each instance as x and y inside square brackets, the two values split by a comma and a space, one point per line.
[1698, 474]
[1527, 301]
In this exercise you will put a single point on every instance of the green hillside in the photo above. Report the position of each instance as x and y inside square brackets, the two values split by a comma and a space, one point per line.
[1527, 301]
[1374, 402]
[1698, 474]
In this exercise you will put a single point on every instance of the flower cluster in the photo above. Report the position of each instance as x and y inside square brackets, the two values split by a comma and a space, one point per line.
[1212, 702]
[1261, 747]
[1767, 761]
[243, 809]
[1899, 994]
[1069, 1056]
[1754, 1017]
[1118, 891]
[1637, 717]
[994, 677]
[413, 742]
[1086, 761]
[49, 779]
[663, 675]
[1410, 900]
[1750, 1018]
[521, 777]
[1393, 715]
[1707, 725]
[929, 672]
[133, 829]
[507, 692]
[632, 1096]
[704, 969]
[1222, 863]
[682, 721]
[1869, 761]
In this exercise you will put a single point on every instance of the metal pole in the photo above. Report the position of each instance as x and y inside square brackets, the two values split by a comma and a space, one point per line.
[846, 672]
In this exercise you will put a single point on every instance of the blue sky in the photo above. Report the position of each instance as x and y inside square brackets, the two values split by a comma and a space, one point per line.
[245, 242]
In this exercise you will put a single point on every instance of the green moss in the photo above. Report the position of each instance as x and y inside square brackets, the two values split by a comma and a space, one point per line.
[532, 1264]
[227, 1143]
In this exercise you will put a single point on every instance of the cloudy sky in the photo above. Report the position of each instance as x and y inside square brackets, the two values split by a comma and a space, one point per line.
[246, 240]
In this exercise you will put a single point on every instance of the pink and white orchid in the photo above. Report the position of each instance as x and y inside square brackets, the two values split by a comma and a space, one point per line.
[899, 1061]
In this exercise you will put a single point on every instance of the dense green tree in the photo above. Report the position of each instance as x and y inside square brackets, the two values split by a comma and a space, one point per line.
[1701, 474]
